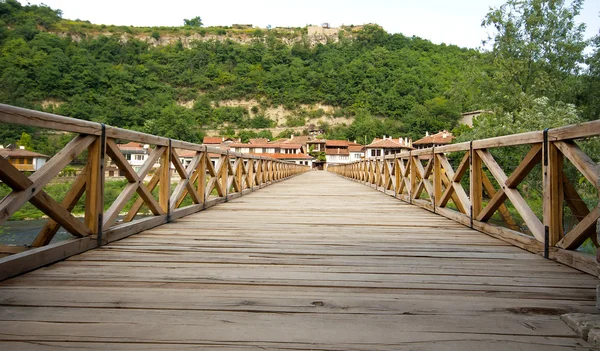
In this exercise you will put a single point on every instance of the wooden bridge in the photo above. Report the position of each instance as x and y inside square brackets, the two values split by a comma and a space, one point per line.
[401, 258]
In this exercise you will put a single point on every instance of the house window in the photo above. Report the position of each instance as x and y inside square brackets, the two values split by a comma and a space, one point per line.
[139, 157]
[128, 157]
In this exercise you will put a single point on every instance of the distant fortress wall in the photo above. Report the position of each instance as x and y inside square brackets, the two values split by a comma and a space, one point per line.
[321, 35]
[321, 31]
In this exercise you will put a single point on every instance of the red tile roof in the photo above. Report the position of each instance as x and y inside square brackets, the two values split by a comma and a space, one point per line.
[337, 151]
[185, 153]
[356, 148]
[132, 145]
[437, 138]
[213, 140]
[387, 144]
[336, 143]
[9, 153]
[266, 145]
[259, 141]
[285, 156]
[290, 146]
[303, 139]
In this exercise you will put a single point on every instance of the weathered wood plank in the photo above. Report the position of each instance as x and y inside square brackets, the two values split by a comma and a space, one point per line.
[392, 277]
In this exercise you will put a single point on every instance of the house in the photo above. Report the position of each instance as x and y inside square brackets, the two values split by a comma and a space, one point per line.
[343, 151]
[219, 142]
[285, 151]
[336, 151]
[441, 138]
[299, 158]
[388, 146]
[258, 141]
[316, 145]
[337, 155]
[301, 140]
[266, 148]
[467, 118]
[23, 160]
[357, 152]
[135, 153]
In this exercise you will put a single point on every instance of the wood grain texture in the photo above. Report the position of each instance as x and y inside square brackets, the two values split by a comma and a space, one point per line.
[339, 267]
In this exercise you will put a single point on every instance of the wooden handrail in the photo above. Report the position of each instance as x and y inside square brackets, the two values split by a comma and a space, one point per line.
[426, 178]
[206, 184]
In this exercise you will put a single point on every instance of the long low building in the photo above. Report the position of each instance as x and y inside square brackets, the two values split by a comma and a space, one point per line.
[22, 159]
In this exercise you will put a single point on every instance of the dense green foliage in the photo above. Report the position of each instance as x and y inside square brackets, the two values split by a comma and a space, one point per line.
[135, 85]
[390, 83]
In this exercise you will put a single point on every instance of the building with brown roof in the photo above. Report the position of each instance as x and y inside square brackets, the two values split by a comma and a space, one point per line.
[357, 152]
[316, 145]
[258, 141]
[219, 142]
[467, 118]
[279, 150]
[303, 140]
[388, 146]
[23, 160]
[438, 139]
[336, 151]
[135, 153]
[337, 155]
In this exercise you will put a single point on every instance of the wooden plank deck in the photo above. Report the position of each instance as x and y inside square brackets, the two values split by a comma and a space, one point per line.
[316, 262]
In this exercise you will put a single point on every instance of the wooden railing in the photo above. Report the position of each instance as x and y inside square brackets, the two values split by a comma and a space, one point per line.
[477, 187]
[212, 176]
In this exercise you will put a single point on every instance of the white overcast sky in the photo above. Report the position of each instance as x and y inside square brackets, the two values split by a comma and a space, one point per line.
[441, 21]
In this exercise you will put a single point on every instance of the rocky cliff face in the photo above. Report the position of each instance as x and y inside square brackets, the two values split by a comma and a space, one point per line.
[316, 35]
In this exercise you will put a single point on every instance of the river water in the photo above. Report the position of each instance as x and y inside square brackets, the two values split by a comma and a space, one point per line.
[24, 232]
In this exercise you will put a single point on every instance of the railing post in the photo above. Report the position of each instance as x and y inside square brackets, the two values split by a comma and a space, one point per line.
[225, 174]
[94, 187]
[164, 189]
[437, 179]
[553, 194]
[476, 180]
[397, 174]
[250, 174]
[202, 176]
[239, 172]
[413, 177]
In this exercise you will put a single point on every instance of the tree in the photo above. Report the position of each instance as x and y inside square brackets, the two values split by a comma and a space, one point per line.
[265, 133]
[246, 135]
[589, 100]
[195, 22]
[536, 114]
[537, 48]
[25, 141]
